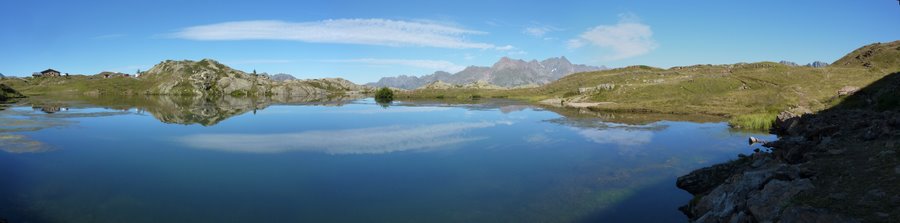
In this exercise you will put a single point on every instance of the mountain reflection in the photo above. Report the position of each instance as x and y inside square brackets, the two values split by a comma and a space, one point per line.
[205, 111]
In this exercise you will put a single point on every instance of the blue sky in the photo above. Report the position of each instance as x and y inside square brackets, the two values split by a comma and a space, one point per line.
[365, 40]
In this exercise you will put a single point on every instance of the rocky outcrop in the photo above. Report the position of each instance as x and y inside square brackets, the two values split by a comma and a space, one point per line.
[506, 72]
[208, 77]
[598, 88]
[884, 56]
[847, 90]
[817, 64]
[753, 189]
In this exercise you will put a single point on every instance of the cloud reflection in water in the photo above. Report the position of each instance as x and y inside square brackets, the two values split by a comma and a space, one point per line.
[374, 140]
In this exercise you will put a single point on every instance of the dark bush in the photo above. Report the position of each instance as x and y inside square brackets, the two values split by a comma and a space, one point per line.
[384, 95]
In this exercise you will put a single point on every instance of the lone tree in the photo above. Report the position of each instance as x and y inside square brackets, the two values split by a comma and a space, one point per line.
[384, 95]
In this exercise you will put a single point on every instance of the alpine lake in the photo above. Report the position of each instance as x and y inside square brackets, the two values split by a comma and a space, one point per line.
[189, 159]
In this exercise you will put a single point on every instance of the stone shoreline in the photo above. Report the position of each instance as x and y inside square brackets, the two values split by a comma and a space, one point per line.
[839, 165]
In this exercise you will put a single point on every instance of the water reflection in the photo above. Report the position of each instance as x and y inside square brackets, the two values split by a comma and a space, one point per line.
[21, 144]
[347, 141]
[205, 111]
[599, 131]
[495, 161]
[49, 109]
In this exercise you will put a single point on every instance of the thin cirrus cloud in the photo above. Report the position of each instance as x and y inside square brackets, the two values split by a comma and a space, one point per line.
[536, 31]
[382, 32]
[628, 38]
[441, 65]
[540, 31]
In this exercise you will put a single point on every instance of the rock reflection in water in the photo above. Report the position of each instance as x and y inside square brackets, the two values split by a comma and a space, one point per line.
[205, 111]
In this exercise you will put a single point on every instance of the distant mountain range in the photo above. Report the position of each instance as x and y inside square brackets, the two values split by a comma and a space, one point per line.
[280, 77]
[816, 64]
[505, 73]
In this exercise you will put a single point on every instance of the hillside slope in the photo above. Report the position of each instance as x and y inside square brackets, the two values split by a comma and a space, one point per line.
[734, 89]
[841, 164]
[199, 78]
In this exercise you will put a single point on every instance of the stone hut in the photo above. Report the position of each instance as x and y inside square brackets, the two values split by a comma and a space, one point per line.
[50, 73]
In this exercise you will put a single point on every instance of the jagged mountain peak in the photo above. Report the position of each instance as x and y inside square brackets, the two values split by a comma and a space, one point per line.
[506, 72]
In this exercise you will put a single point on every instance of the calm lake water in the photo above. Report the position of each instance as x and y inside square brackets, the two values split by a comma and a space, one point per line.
[242, 160]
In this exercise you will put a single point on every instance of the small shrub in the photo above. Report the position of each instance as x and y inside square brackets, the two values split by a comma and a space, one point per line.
[570, 94]
[384, 95]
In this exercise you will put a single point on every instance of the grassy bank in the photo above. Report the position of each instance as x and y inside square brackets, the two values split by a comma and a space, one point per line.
[750, 95]
[753, 121]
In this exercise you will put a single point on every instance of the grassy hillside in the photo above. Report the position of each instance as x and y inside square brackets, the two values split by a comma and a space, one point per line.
[723, 89]
[79, 84]
[881, 57]
[196, 78]
[752, 94]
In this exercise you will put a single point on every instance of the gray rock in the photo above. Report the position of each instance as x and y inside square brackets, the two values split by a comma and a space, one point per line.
[730, 197]
[760, 162]
[872, 197]
[795, 214]
[847, 90]
[786, 121]
[705, 179]
[788, 63]
[766, 204]
[817, 64]
[740, 217]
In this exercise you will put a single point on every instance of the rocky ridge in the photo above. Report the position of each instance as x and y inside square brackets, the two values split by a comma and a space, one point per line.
[440, 85]
[505, 73]
[209, 77]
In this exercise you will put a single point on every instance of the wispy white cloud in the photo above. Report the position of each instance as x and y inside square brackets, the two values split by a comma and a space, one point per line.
[539, 31]
[511, 50]
[505, 48]
[374, 140]
[535, 31]
[628, 38]
[383, 32]
[441, 65]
